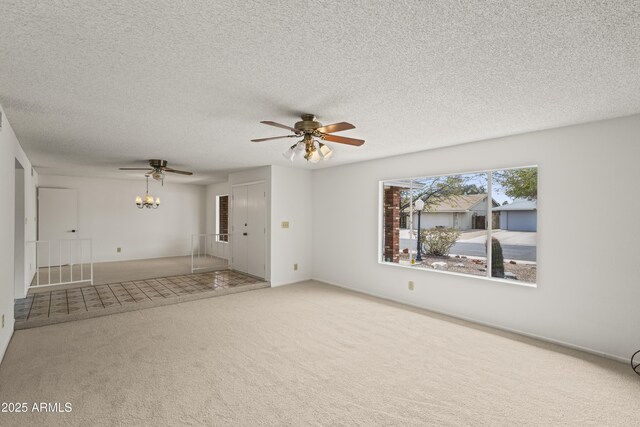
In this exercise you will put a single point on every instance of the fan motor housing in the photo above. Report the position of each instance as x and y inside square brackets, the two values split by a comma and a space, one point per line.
[308, 123]
[156, 163]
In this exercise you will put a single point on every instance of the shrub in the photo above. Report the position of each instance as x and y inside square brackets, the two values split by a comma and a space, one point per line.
[497, 260]
[439, 241]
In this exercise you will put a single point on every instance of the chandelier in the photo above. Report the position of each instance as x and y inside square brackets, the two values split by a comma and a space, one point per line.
[148, 201]
[313, 150]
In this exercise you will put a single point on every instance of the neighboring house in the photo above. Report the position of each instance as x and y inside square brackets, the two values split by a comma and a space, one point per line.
[462, 212]
[521, 215]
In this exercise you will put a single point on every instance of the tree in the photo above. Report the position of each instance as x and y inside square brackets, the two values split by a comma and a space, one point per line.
[434, 190]
[519, 183]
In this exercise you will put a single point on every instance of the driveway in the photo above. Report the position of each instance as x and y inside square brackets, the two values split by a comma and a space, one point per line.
[516, 245]
[526, 238]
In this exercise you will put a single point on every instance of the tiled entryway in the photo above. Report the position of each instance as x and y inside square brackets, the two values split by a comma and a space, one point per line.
[63, 305]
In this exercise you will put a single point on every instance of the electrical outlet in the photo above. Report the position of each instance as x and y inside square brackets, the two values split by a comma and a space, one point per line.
[295, 267]
[410, 285]
[285, 224]
[118, 249]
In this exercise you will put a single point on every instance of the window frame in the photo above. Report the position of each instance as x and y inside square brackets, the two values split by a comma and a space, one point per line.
[487, 277]
[217, 218]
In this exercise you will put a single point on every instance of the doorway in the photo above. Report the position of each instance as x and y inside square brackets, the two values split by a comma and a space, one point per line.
[57, 221]
[249, 229]
[19, 233]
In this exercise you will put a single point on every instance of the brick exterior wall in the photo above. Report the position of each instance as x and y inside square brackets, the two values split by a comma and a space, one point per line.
[392, 224]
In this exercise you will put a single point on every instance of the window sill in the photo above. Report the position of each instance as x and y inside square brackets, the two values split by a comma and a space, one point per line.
[453, 273]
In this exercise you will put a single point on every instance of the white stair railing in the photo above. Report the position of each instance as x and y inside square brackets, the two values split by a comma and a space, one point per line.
[209, 251]
[62, 262]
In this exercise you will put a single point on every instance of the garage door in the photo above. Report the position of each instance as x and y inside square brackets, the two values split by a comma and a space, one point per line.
[522, 221]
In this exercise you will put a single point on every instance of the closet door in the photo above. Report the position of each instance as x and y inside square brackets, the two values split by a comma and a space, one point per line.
[239, 228]
[256, 229]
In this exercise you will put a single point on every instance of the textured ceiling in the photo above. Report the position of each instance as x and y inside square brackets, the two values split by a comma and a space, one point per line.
[92, 85]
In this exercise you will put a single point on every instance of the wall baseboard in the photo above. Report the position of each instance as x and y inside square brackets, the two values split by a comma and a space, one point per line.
[140, 259]
[5, 345]
[292, 283]
[479, 322]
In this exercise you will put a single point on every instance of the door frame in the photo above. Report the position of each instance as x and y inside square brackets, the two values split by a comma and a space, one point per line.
[266, 218]
[19, 232]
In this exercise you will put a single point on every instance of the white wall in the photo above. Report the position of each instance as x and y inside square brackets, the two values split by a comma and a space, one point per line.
[10, 150]
[107, 214]
[291, 201]
[588, 269]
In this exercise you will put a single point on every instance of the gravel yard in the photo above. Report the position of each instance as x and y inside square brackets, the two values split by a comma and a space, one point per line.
[522, 272]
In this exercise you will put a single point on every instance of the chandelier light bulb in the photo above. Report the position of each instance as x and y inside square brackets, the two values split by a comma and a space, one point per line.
[148, 201]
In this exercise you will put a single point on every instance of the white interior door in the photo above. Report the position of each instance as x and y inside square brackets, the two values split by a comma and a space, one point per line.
[249, 230]
[257, 231]
[239, 233]
[57, 220]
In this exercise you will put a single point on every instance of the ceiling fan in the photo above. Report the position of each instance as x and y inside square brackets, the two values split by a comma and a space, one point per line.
[313, 132]
[156, 170]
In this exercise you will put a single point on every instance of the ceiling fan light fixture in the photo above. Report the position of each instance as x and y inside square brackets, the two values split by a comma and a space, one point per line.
[313, 132]
[158, 175]
[315, 157]
[325, 151]
[291, 152]
[312, 155]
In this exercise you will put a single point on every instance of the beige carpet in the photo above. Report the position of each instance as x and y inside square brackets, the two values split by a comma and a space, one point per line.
[306, 354]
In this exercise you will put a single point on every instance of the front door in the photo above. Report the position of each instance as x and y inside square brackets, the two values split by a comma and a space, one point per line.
[239, 227]
[256, 218]
[249, 224]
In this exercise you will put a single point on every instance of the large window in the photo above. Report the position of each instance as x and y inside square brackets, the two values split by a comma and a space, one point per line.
[222, 218]
[444, 223]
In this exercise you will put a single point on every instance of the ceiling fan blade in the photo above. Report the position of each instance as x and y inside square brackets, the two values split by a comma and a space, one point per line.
[135, 169]
[278, 125]
[177, 171]
[273, 137]
[336, 127]
[343, 140]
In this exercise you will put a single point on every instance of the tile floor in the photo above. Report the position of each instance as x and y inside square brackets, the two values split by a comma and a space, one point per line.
[90, 301]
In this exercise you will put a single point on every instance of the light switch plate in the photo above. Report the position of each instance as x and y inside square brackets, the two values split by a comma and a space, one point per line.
[285, 224]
